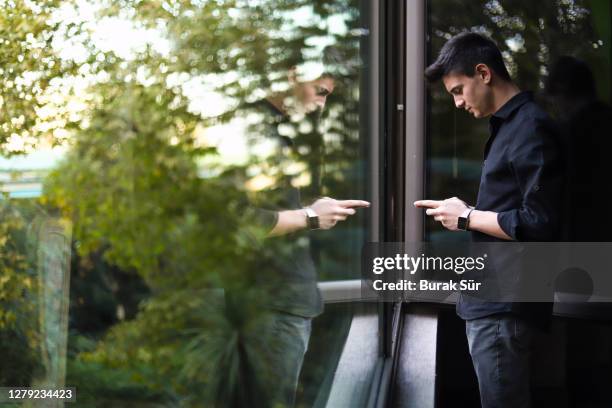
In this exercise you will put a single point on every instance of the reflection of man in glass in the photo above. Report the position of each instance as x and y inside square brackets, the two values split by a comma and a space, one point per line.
[585, 122]
[518, 199]
[285, 137]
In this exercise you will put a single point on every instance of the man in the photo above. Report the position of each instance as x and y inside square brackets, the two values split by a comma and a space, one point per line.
[306, 97]
[518, 199]
[275, 344]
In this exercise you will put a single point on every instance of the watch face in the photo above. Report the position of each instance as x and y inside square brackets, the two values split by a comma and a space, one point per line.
[462, 223]
[313, 222]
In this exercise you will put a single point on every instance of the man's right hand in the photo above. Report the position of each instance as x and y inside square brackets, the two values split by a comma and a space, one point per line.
[331, 211]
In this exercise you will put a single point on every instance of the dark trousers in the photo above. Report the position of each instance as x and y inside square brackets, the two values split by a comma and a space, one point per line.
[288, 342]
[500, 346]
[259, 365]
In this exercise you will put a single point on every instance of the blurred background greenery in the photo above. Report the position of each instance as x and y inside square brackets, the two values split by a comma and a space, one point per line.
[152, 209]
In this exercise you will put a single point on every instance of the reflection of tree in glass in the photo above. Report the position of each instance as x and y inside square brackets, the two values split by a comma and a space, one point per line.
[143, 191]
[18, 288]
[29, 65]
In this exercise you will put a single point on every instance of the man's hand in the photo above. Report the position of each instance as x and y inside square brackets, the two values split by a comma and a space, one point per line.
[328, 210]
[446, 211]
[331, 211]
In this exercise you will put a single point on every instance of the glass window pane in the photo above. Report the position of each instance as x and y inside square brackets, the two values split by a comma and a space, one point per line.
[532, 36]
[157, 159]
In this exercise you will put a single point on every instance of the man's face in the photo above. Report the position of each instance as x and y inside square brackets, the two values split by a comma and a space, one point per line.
[470, 93]
[312, 95]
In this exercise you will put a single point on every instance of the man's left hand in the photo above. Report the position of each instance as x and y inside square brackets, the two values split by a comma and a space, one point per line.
[446, 211]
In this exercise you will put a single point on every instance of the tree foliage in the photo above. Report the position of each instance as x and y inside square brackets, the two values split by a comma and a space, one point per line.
[30, 64]
[142, 189]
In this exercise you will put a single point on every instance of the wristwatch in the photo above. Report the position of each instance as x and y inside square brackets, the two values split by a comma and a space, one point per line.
[463, 222]
[312, 219]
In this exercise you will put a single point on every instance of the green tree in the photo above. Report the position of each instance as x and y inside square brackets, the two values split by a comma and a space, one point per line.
[141, 190]
[29, 31]
[31, 68]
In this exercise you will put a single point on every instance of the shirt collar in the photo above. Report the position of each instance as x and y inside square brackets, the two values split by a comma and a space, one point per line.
[513, 104]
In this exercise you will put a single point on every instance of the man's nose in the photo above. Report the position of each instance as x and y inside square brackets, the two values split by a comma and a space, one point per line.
[459, 103]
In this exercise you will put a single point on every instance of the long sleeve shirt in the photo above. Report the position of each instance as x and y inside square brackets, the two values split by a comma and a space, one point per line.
[522, 181]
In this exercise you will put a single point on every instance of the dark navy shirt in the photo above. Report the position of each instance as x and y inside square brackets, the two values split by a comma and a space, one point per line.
[291, 277]
[522, 181]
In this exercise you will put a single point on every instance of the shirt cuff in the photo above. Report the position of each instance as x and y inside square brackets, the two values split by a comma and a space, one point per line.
[267, 219]
[508, 222]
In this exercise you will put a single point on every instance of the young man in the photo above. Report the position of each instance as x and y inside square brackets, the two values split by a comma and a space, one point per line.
[276, 342]
[518, 199]
[306, 97]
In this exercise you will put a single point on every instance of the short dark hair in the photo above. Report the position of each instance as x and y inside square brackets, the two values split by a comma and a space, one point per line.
[462, 53]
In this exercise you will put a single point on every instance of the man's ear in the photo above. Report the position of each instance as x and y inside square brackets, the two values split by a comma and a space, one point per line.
[484, 73]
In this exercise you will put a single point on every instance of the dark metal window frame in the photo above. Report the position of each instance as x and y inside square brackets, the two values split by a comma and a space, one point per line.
[395, 112]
